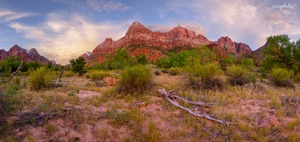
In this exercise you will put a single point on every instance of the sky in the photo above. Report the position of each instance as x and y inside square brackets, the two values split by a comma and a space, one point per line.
[65, 29]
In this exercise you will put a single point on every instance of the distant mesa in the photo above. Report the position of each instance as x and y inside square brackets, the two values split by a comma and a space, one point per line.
[28, 55]
[141, 40]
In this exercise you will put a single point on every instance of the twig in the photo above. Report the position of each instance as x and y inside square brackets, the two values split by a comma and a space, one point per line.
[190, 102]
[167, 96]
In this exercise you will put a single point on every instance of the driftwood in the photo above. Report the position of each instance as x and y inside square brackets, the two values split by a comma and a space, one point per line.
[169, 98]
[15, 72]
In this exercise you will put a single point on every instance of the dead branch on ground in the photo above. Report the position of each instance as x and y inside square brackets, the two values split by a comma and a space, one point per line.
[34, 118]
[169, 98]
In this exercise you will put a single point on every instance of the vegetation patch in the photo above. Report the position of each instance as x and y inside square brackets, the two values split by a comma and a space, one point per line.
[239, 75]
[135, 79]
[281, 77]
[205, 76]
[41, 78]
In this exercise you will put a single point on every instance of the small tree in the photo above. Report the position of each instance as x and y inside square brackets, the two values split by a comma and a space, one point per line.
[78, 65]
[142, 59]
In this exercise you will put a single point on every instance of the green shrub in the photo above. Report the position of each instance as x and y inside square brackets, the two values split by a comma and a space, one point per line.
[297, 77]
[69, 73]
[97, 75]
[205, 76]
[135, 79]
[78, 65]
[238, 75]
[40, 78]
[142, 59]
[281, 77]
[119, 60]
[175, 71]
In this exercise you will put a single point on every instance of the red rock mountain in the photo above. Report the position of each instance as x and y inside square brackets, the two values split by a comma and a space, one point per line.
[28, 56]
[140, 40]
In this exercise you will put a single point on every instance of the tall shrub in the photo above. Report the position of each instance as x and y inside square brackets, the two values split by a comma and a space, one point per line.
[41, 78]
[135, 79]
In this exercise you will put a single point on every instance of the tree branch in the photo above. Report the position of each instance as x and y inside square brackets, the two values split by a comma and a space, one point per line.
[168, 97]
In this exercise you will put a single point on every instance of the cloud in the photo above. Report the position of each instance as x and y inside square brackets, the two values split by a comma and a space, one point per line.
[198, 29]
[247, 21]
[8, 15]
[104, 5]
[64, 37]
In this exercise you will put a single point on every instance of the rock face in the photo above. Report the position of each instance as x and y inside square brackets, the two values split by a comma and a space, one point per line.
[28, 55]
[3, 54]
[140, 40]
[257, 55]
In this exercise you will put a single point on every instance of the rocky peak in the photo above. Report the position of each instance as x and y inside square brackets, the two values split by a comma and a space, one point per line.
[135, 28]
[33, 51]
[17, 51]
[183, 32]
[28, 56]
[3, 54]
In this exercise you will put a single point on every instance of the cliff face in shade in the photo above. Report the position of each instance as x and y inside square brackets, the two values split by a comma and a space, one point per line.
[3, 54]
[257, 55]
[28, 55]
[141, 40]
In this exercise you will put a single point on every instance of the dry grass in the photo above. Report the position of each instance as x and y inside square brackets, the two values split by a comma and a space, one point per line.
[112, 117]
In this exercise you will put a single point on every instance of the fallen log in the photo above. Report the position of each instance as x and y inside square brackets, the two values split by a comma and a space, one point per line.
[168, 97]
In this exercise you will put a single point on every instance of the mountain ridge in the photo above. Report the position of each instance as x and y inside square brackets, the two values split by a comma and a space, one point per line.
[138, 34]
[30, 55]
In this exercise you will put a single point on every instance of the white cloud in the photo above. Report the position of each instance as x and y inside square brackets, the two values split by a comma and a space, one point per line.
[8, 15]
[105, 5]
[63, 37]
[242, 20]
[198, 29]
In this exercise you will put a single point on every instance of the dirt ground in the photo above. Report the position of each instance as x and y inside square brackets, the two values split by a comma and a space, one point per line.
[82, 111]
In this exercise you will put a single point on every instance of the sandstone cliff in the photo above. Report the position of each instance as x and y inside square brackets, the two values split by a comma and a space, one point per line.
[141, 40]
[28, 55]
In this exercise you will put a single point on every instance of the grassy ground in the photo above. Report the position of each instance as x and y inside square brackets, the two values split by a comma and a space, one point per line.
[84, 112]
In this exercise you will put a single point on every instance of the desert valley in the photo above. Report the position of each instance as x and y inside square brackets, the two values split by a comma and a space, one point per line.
[149, 71]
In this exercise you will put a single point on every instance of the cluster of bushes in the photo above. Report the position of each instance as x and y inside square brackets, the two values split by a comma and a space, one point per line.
[281, 52]
[181, 59]
[120, 60]
[236, 60]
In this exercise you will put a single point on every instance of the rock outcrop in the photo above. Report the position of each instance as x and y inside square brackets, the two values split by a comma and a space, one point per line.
[3, 54]
[28, 55]
[141, 40]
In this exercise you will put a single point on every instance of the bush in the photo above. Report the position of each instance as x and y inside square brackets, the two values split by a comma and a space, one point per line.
[174, 71]
[119, 60]
[135, 79]
[297, 77]
[238, 75]
[205, 76]
[97, 75]
[281, 77]
[69, 73]
[40, 78]
[78, 65]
